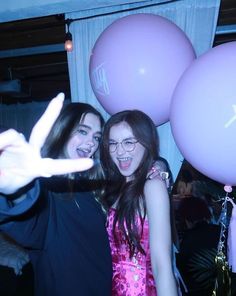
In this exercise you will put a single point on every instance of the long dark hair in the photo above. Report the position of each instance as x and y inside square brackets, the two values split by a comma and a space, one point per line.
[71, 115]
[129, 196]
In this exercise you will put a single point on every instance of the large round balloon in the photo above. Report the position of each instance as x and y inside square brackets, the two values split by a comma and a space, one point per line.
[203, 114]
[136, 63]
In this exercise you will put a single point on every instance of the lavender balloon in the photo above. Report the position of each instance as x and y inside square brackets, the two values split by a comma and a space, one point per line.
[136, 63]
[203, 114]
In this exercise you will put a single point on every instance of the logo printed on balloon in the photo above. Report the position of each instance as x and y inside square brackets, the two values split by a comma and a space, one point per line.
[100, 80]
[232, 119]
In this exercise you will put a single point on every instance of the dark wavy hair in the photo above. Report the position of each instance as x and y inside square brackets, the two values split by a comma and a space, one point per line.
[129, 196]
[71, 115]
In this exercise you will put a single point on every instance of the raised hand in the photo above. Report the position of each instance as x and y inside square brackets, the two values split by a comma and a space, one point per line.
[21, 162]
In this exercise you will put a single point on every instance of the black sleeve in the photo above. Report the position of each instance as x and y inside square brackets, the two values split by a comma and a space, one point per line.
[26, 221]
[9, 210]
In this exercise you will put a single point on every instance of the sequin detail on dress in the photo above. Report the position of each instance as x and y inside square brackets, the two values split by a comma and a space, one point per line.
[131, 276]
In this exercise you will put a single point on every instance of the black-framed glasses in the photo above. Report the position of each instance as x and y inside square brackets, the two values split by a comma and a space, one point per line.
[128, 145]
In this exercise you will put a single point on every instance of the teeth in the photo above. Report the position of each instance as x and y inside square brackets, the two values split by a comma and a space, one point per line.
[124, 158]
[124, 162]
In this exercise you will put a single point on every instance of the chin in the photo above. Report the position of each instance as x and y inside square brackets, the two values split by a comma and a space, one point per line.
[127, 174]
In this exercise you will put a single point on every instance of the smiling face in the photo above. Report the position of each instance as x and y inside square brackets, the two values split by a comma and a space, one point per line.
[84, 140]
[127, 162]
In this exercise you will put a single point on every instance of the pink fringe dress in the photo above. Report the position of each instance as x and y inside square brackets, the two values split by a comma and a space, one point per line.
[131, 276]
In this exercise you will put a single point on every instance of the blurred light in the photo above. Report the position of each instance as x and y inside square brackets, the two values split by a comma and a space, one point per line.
[68, 42]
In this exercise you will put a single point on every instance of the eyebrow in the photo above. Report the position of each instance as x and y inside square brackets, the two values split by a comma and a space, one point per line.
[130, 138]
[84, 125]
[88, 127]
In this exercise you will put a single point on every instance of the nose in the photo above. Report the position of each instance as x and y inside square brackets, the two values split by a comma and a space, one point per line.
[91, 142]
[120, 150]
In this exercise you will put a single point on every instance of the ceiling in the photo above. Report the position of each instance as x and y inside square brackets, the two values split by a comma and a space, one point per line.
[33, 57]
[43, 73]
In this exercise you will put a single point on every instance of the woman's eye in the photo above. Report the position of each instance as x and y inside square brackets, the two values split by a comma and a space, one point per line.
[129, 142]
[97, 138]
[112, 145]
[82, 132]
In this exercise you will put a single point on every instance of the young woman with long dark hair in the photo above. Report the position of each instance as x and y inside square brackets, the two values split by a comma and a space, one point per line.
[138, 208]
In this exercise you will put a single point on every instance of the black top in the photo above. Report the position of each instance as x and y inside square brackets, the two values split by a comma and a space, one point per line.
[66, 232]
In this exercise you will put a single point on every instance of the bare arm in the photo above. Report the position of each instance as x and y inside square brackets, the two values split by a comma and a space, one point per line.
[158, 213]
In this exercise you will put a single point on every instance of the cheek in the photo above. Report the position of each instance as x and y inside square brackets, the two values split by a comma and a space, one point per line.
[69, 149]
[114, 160]
[96, 145]
[112, 156]
[75, 141]
[72, 144]
[139, 154]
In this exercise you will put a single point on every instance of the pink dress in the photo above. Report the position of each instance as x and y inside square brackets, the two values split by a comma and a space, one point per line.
[131, 276]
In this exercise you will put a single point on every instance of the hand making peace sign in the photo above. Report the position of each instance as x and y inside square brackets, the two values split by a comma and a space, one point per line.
[21, 162]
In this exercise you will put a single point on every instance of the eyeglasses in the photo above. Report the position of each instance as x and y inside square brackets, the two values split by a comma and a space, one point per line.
[128, 145]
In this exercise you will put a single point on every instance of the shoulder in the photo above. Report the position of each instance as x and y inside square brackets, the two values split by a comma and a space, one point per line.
[155, 191]
[153, 185]
[157, 203]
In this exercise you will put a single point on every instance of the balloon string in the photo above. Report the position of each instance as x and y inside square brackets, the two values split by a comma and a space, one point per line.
[223, 223]
[220, 259]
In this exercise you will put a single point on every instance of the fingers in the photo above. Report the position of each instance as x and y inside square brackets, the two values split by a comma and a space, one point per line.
[10, 137]
[42, 128]
[51, 167]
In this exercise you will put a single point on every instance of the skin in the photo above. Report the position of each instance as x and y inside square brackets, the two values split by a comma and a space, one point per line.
[158, 214]
[126, 162]
[158, 210]
[84, 141]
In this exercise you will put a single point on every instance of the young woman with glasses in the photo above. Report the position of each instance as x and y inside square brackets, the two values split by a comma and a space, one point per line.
[138, 208]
